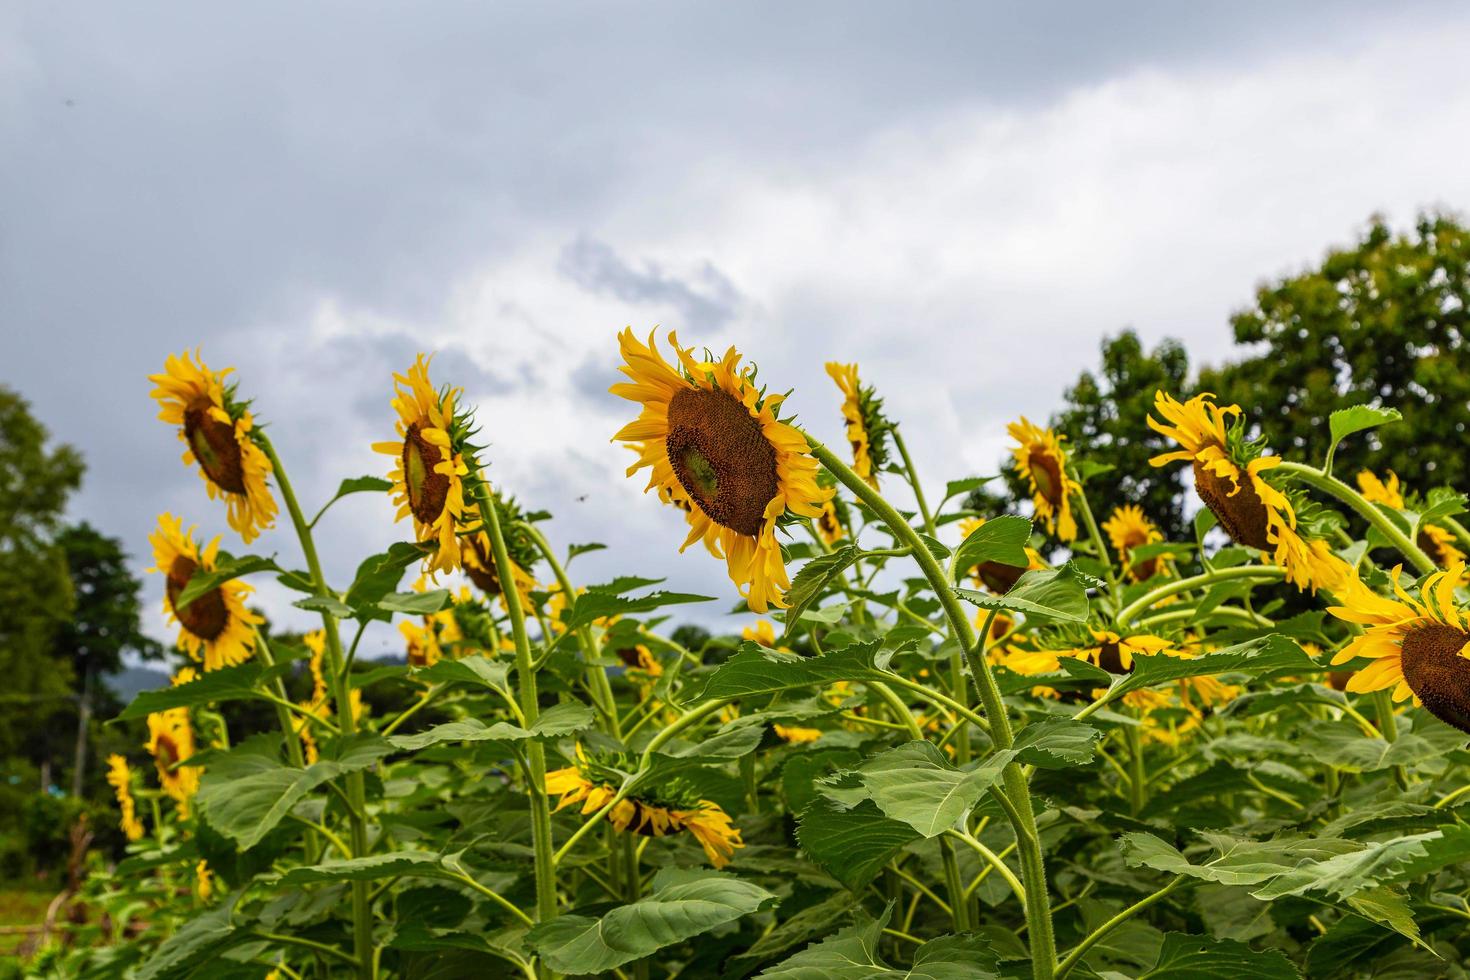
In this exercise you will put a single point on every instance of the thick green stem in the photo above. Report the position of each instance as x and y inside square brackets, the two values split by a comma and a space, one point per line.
[1102, 931]
[1264, 573]
[1369, 511]
[1038, 908]
[362, 923]
[1461, 533]
[545, 867]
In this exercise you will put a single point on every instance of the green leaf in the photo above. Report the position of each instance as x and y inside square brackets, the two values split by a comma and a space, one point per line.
[1051, 593]
[325, 603]
[380, 574]
[465, 730]
[226, 567]
[683, 904]
[237, 683]
[1344, 875]
[581, 549]
[370, 868]
[851, 844]
[806, 925]
[811, 581]
[1201, 958]
[415, 603]
[1240, 862]
[1056, 744]
[467, 670]
[758, 670]
[956, 487]
[602, 602]
[937, 548]
[852, 954]
[1001, 539]
[356, 484]
[915, 784]
[1346, 421]
[1265, 654]
[563, 719]
[203, 937]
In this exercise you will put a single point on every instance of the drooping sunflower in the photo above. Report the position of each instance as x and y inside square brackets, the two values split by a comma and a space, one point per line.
[428, 475]
[711, 826]
[1041, 460]
[996, 576]
[215, 628]
[120, 778]
[1419, 645]
[479, 560]
[217, 431]
[1228, 476]
[742, 468]
[867, 428]
[171, 741]
[1436, 542]
[1129, 528]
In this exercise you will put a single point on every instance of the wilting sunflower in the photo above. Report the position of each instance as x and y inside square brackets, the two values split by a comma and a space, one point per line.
[428, 477]
[171, 741]
[1041, 460]
[1440, 545]
[120, 778]
[1129, 528]
[1228, 476]
[1419, 645]
[996, 576]
[217, 429]
[867, 429]
[741, 467]
[215, 628]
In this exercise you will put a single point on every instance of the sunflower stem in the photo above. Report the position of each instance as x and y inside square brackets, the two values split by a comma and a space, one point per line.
[1332, 486]
[545, 866]
[1457, 529]
[908, 465]
[1266, 573]
[1017, 792]
[1095, 533]
[362, 924]
[1102, 931]
[294, 752]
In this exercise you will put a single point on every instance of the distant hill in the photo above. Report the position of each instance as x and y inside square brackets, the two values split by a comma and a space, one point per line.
[127, 682]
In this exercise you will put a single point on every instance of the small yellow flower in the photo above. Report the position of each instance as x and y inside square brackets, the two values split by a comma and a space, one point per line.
[1041, 461]
[796, 734]
[203, 881]
[866, 427]
[120, 778]
[1129, 528]
[215, 628]
[1386, 492]
[217, 432]
[171, 741]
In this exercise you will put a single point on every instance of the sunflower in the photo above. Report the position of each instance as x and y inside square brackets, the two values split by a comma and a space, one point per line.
[643, 666]
[1440, 545]
[1419, 645]
[795, 734]
[997, 576]
[762, 632]
[203, 881]
[741, 467]
[829, 525]
[1228, 478]
[120, 778]
[171, 741]
[1129, 528]
[867, 429]
[215, 628]
[428, 476]
[1041, 460]
[217, 431]
[479, 565]
[711, 826]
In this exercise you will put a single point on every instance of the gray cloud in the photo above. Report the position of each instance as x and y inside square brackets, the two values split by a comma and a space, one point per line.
[707, 300]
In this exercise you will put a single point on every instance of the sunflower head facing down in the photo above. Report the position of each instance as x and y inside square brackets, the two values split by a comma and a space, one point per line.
[867, 428]
[171, 741]
[429, 468]
[120, 778]
[1129, 528]
[215, 627]
[740, 467]
[1042, 462]
[479, 558]
[1419, 644]
[217, 429]
[1229, 478]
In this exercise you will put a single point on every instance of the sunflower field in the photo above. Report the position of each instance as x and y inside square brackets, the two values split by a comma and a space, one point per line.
[949, 744]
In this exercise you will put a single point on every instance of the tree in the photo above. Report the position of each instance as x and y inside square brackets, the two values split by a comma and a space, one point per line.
[105, 623]
[1383, 322]
[35, 591]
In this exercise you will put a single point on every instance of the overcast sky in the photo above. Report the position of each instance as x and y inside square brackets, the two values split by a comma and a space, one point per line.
[963, 198]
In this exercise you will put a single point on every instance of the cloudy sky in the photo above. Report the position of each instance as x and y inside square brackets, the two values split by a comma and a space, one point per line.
[963, 198]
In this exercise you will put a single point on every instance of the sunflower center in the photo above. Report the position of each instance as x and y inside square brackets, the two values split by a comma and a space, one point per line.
[1110, 658]
[1243, 516]
[165, 751]
[206, 617]
[427, 490]
[1047, 475]
[998, 577]
[1431, 547]
[722, 458]
[1436, 672]
[481, 569]
[213, 444]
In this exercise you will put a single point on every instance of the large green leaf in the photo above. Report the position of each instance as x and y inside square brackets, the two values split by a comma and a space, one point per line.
[415, 603]
[1202, 958]
[603, 601]
[1343, 875]
[559, 720]
[915, 784]
[811, 582]
[473, 669]
[238, 683]
[380, 574]
[852, 954]
[806, 925]
[1263, 655]
[203, 937]
[758, 670]
[1058, 594]
[1001, 539]
[373, 867]
[852, 844]
[682, 904]
[1056, 744]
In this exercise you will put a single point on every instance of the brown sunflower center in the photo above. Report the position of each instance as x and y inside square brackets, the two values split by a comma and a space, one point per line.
[206, 617]
[481, 567]
[1431, 547]
[165, 752]
[427, 490]
[1243, 516]
[1110, 658]
[213, 444]
[722, 458]
[1436, 672]
[828, 523]
[998, 577]
[1046, 473]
